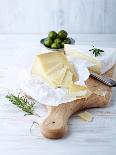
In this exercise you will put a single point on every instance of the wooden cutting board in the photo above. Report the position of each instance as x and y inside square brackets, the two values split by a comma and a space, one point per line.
[55, 124]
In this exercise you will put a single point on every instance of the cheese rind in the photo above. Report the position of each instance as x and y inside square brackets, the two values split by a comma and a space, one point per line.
[102, 63]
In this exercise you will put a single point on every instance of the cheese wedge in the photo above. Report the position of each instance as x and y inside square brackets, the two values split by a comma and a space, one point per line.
[86, 116]
[57, 76]
[76, 88]
[101, 63]
[67, 80]
[52, 67]
[55, 68]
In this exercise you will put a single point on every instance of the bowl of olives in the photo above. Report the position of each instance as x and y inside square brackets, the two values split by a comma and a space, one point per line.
[56, 41]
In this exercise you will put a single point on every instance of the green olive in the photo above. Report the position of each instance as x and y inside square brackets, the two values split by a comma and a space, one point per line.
[62, 44]
[48, 42]
[52, 34]
[67, 41]
[57, 40]
[62, 34]
[55, 46]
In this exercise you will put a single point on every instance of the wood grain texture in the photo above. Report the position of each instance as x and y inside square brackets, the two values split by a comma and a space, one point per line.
[55, 125]
[83, 13]
[96, 137]
[41, 16]
[109, 16]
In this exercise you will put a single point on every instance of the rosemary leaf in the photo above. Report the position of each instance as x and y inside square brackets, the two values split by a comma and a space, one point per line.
[22, 103]
[96, 51]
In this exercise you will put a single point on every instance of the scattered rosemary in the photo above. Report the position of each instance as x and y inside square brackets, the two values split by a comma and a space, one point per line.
[96, 51]
[22, 103]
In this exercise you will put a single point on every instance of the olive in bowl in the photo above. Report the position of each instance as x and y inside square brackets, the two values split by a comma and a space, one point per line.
[56, 41]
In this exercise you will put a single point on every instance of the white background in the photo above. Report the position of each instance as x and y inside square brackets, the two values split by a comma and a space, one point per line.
[40, 16]
[21, 24]
[84, 138]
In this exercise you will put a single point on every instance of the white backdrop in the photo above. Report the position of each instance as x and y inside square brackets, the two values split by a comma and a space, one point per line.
[40, 16]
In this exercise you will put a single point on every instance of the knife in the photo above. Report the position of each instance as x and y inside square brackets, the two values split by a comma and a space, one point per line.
[105, 80]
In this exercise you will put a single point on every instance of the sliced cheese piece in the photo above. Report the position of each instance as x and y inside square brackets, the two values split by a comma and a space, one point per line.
[55, 68]
[76, 88]
[86, 116]
[67, 81]
[52, 67]
[36, 68]
[57, 76]
[102, 63]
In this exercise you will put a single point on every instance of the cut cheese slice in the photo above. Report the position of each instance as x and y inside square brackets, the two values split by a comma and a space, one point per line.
[52, 68]
[55, 68]
[76, 88]
[86, 116]
[102, 63]
[67, 81]
[36, 68]
[57, 76]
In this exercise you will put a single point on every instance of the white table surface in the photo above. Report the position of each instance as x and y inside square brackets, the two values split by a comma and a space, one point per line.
[83, 138]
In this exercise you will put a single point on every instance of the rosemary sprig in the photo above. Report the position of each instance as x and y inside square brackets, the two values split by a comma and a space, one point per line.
[22, 103]
[96, 51]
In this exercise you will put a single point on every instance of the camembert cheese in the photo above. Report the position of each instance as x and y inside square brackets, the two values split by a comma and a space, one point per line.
[101, 63]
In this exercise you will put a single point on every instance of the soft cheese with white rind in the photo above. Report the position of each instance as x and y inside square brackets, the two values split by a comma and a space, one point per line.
[101, 63]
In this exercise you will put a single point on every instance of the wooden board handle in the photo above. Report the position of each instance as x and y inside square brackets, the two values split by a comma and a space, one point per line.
[55, 125]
